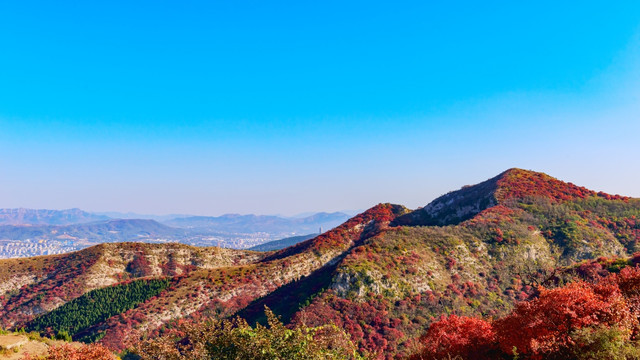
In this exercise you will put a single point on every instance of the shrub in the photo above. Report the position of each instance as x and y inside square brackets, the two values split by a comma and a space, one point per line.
[457, 336]
[235, 339]
[63, 335]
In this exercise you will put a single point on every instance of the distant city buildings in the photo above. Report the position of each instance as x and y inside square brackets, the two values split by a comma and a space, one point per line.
[27, 248]
[37, 247]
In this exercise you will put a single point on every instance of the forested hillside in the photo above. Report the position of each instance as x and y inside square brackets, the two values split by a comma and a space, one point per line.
[383, 276]
[96, 306]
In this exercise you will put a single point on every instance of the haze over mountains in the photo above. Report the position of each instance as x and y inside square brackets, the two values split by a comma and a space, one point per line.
[235, 223]
[27, 232]
[47, 217]
[383, 275]
[113, 230]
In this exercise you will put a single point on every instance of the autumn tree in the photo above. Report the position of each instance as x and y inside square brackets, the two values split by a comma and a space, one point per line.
[76, 352]
[548, 324]
[235, 339]
[457, 336]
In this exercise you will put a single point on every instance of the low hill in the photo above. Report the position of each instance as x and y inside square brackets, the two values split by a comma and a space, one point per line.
[33, 286]
[383, 275]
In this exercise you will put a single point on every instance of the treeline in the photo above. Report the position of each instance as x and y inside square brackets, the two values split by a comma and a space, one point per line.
[236, 339]
[97, 306]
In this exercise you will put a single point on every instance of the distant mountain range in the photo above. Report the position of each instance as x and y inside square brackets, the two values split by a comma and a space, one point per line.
[132, 215]
[29, 232]
[234, 223]
[115, 230]
[47, 217]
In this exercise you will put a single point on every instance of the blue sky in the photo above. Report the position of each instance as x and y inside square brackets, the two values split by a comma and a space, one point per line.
[278, 107]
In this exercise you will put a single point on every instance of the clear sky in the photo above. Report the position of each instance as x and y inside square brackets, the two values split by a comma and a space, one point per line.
[283, 107]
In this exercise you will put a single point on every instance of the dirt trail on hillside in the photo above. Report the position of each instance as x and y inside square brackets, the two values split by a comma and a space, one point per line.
[32, 348]
[24, 346]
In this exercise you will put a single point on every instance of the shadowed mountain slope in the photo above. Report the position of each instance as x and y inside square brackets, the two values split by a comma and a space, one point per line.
[383, 275]
[282, 243]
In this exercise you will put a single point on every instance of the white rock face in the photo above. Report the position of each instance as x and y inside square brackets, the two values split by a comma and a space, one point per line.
[16, 282]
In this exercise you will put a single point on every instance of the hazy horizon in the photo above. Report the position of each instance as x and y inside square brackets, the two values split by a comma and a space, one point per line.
[223, 108]
[135, 215]
[290, 215]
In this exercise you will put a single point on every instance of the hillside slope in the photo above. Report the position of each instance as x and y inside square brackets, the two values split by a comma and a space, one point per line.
[504, 237]
[33, 286]
[383, 275]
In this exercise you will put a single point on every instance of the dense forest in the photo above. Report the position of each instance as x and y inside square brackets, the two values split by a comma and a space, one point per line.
[97, 306]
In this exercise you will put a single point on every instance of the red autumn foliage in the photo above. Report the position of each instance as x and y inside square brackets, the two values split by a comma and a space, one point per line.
[61, 282]
[342, 235]
[494, 215]
[628, 281]
[626, 230]
[75, 352]
[140, 266]
[467, 337]
[368, 323]
[544, 325]
[548, 326]
[366, 223]
[518, 184]
[172, 268]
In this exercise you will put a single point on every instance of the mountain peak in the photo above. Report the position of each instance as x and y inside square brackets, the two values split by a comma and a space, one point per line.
[510, 185]
[518, 183]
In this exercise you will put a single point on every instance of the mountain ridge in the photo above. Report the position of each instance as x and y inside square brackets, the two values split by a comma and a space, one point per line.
[383, 275]
[23, 216]
[103, 230]
[512, 184]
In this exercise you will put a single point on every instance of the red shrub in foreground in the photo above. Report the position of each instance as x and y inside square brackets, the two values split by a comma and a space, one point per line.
[580, 320]
[546, 324]
[72, 352]
[469, 338]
